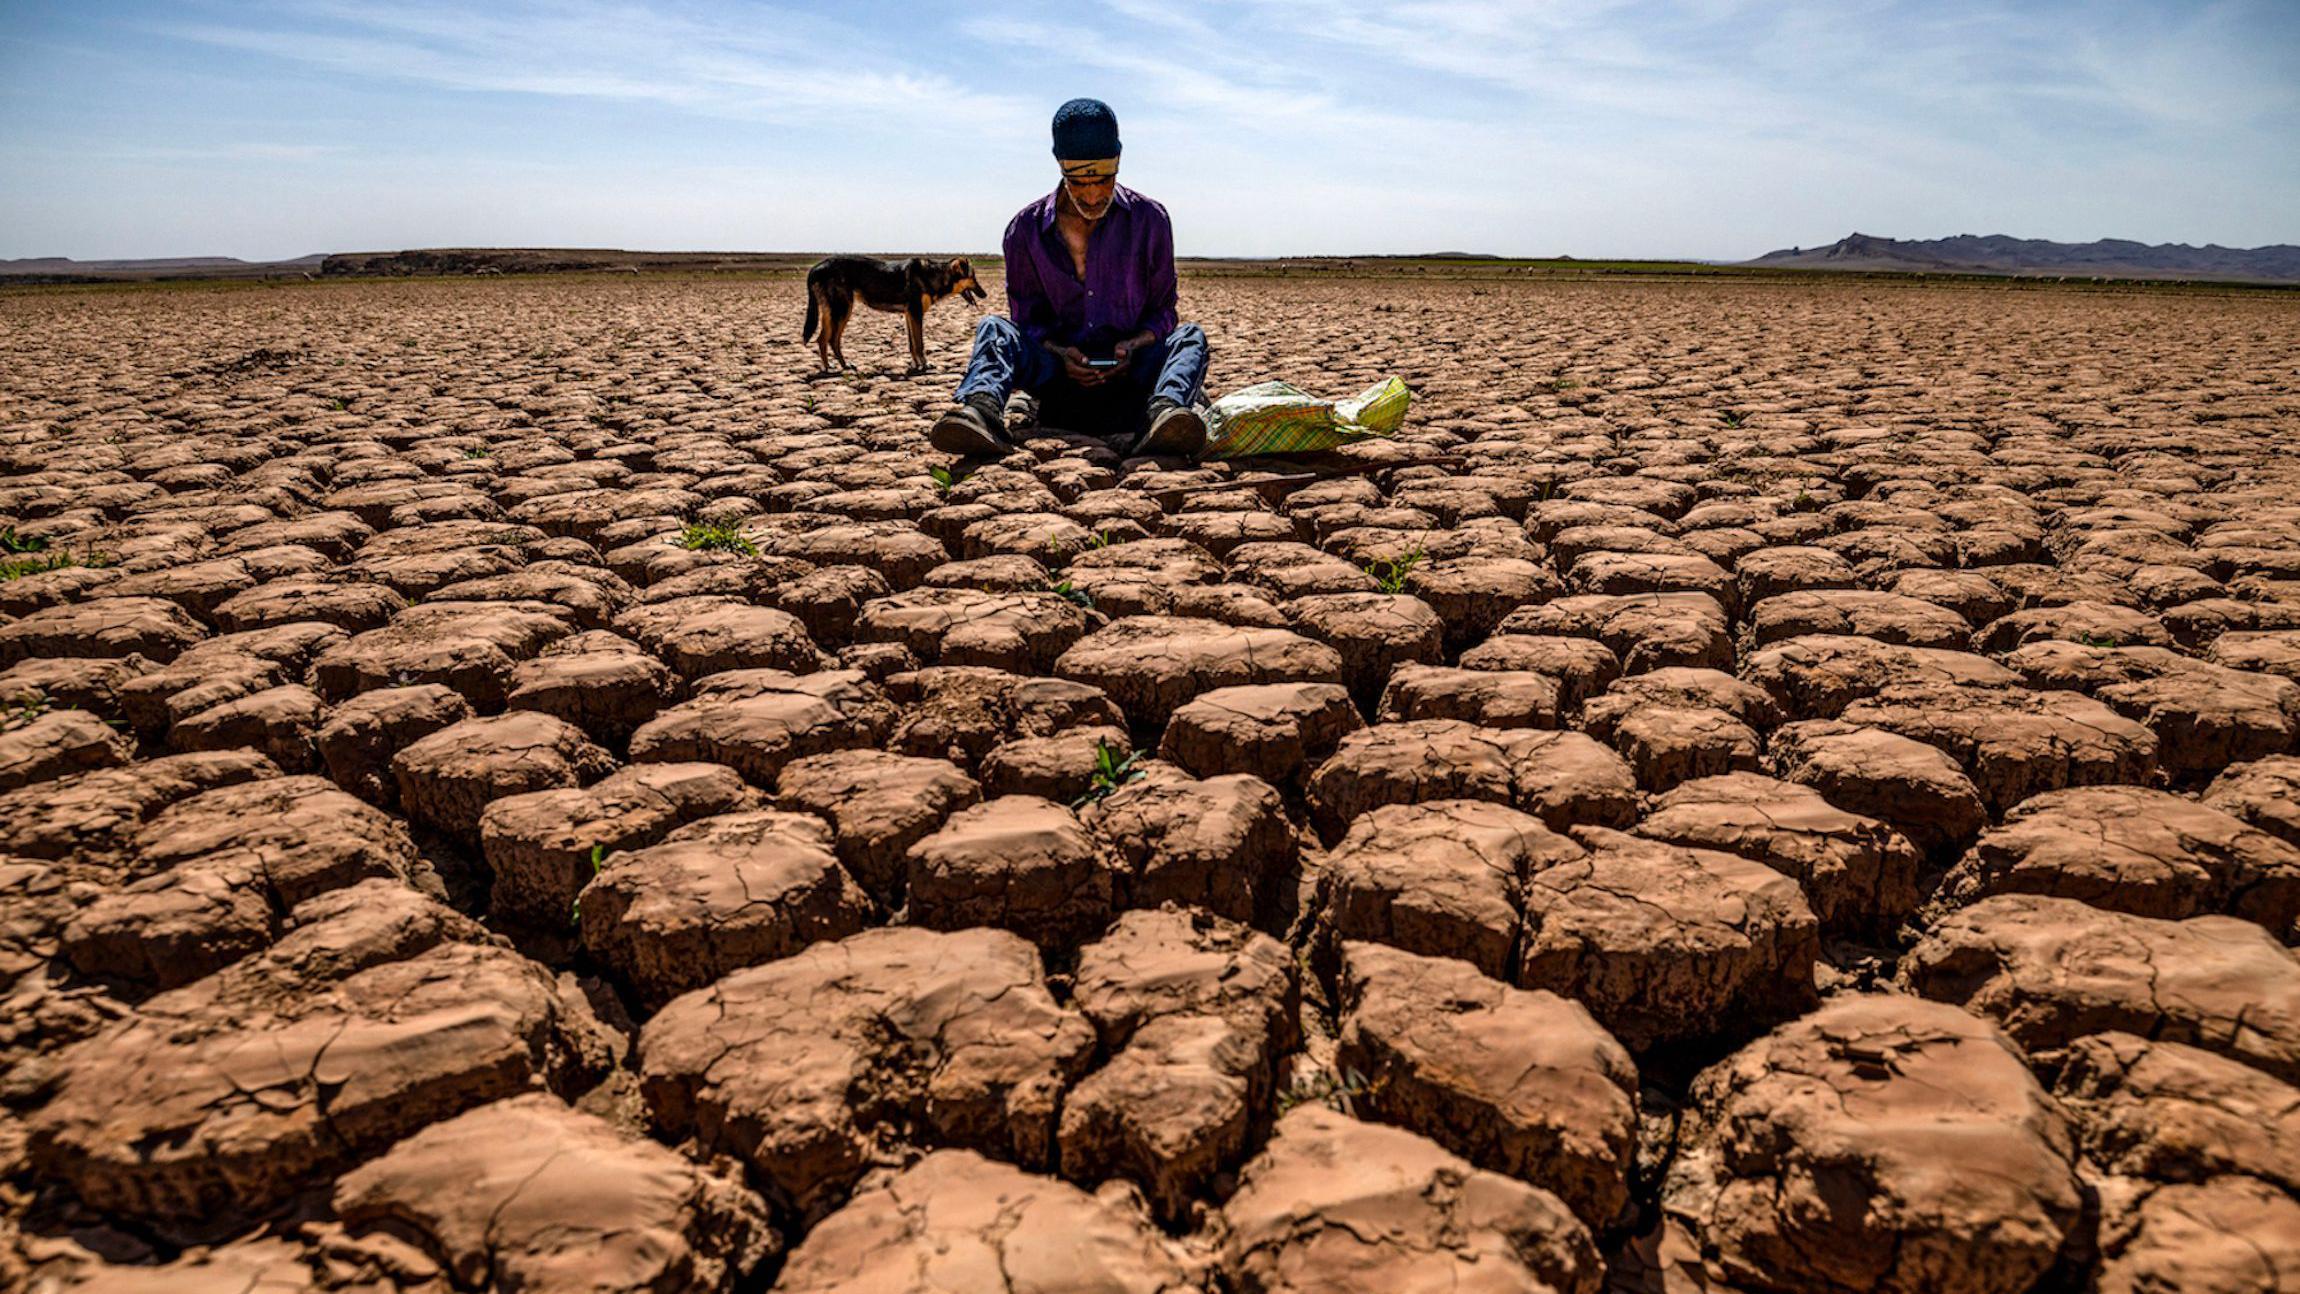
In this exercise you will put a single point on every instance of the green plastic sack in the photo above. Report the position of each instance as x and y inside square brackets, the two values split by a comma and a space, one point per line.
[1281, 418]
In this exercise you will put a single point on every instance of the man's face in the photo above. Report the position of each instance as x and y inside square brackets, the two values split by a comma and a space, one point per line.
[1091, 198]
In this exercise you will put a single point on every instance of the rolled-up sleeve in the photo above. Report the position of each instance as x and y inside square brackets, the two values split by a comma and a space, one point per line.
[1159, 290]
[1026, 301]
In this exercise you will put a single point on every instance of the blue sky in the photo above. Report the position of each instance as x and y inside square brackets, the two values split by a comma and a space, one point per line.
[1713, 128]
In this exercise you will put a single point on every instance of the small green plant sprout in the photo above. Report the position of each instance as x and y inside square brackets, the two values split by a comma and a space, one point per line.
[338, 405]
[1071, 593]
[1732, 417]
[1110, 773]
[2097, 640]
[716, 536]
[807, 402]
[1390, 574]
[1562, 384]
[1100, 539]
[1334, 1091]
[942, 479]
[21, 708]
[481, 452]
[13, 543]
[22, 555]
[598, 859]
[1805, 502]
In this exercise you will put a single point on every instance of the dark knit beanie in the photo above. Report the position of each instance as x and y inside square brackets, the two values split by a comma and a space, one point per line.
[1085, 129]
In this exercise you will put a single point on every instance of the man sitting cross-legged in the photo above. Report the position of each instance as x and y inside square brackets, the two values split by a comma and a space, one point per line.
[1090, 285]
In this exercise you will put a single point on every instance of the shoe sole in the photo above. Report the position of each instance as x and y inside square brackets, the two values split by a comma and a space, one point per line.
[1178, 433]
[955, 435]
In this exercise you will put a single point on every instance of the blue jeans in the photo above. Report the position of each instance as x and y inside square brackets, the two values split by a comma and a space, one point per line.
[1002, 363]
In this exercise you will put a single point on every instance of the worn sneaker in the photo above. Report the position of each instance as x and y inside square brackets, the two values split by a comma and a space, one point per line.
[972, 428]
[1175, 431]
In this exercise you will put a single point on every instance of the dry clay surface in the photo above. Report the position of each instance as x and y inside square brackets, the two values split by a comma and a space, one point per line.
[521, 786]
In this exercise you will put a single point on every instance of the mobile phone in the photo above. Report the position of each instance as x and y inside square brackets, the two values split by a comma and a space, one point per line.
[1101, 363]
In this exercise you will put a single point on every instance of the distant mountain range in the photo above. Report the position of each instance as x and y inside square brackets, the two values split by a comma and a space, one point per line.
[64, 269]
[1998, 254]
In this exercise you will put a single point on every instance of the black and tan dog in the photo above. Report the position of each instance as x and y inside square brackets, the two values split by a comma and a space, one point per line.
[911, 287]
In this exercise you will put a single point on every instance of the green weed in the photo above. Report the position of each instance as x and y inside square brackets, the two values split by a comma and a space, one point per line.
[712, 535]
[20, 710]
[1071, 593]
[598, 859]
[11, 542]
[1390, 576]
[1110, 773]
[942, 479]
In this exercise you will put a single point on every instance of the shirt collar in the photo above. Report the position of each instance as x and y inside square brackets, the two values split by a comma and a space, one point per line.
[1051, 204]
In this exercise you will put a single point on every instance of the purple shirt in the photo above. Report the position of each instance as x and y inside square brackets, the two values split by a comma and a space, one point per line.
[1129, 283]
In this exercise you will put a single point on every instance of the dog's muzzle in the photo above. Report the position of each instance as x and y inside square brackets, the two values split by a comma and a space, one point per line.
[971, 295]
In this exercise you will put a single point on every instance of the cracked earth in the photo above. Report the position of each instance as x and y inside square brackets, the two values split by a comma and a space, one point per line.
[1761, 786]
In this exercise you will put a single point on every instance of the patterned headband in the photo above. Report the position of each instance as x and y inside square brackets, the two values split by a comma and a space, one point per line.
[1099, 168]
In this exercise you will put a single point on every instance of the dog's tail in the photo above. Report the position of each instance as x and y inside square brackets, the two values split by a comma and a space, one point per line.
[813, 297]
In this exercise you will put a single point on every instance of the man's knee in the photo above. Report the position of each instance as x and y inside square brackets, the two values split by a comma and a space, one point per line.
[1188, 334]
[997, 330]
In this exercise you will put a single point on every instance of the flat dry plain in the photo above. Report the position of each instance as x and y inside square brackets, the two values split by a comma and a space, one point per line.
[1762, 786]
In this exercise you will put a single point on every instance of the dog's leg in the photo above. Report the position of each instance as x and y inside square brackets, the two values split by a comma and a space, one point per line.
[817, 299]
[916, 318]
[846, 310]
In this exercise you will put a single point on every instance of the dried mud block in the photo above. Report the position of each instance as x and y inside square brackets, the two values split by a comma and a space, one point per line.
[2229, 1235]
[58, 744]
[2168, 1112]
[1022, 633]
[2053, 970]
[212, 877]
[600, 682]
[829, 601]
[2129, 849]
[528, 1193]
[591, 595]
[2265, 652]
[1666, 944]
[1153, 665]
[1858, 874]
[1669, 744]
[152, 628]
[1582, 666]
[281, 722]
[2083, 622]
[1442, 879]
[813, 1067]
[2265, 793]
[1487, 698]
[958, 1222]
[1473, 595]
[93, 817]
[1195, 1011]
[1562, 777]
[1647, 630]
[1275, 731]
[1520, 1082]
[896, 550]
[68, 684]
[370, 1021]
[1222, 844]
[1915, 788]
[1796, 568]
[1970, 594]
[447, 778]
[540, 845]
[1705, 689]
[2205, 717]
[961, 712]
[361, 735]
[715, 896]
[878, 805]
[1816, 677]
[470, 647]
[757, 721]
[1342, 1207]
[353, 607]
[1963, 1166]
[712, 635]
[1374, 632]
[2013, 742]
[1058, 767]
[1886, 617]
[1016, 863]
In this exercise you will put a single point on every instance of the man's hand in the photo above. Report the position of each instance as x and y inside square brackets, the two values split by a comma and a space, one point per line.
[1074, 364]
